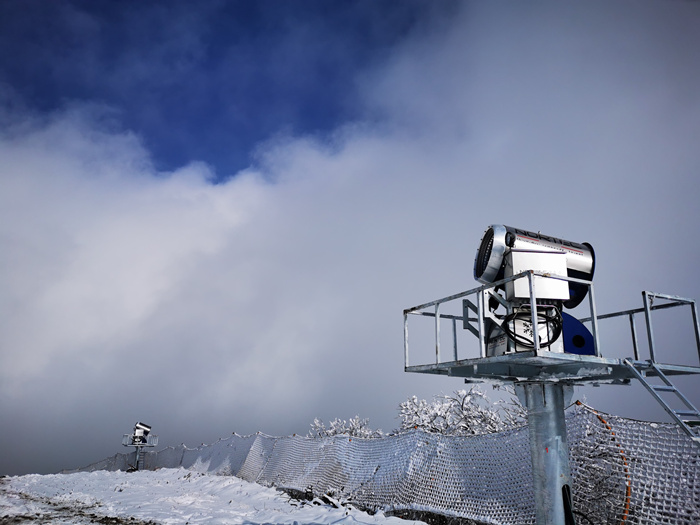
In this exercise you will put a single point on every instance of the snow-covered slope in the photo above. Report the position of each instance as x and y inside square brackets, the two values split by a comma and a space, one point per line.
[166, 496]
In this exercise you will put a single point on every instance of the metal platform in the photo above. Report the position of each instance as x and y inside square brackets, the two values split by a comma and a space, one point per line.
[128, 440]
[526, 339]
[545, 366]
[540, 365]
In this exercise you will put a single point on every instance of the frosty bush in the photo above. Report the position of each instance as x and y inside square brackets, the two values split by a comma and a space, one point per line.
[463, 413]
[354, 427]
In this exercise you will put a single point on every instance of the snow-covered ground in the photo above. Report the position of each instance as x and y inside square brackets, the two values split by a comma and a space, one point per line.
[166, 496]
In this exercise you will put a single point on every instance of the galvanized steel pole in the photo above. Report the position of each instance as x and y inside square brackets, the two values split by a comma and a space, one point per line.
[551, 474]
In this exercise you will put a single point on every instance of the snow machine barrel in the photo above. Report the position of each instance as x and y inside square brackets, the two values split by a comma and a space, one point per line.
[499, 241]
[141, 431]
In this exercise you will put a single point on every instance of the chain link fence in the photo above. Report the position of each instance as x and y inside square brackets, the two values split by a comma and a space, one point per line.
[624, 471]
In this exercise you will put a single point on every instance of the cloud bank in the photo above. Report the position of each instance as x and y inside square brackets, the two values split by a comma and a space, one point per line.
[129, 293]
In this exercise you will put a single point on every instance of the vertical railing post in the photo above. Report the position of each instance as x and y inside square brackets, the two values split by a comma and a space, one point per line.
[533, 307]
[650, 331]
[695, 324]
[594, 319]
[480, 305]
[454, 337]
[633, 328]
[437, 333]
[405, 339]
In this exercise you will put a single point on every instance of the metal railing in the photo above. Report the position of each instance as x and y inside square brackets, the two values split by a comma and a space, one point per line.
[648, 299]
[475, 313]
[128, 441]
[479, 307]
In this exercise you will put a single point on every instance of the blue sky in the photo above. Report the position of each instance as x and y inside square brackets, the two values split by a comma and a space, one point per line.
[214, 213]
[206, 81]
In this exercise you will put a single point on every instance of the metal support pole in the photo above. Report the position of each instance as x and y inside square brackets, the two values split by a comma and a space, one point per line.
[136, 465]
[551, 474]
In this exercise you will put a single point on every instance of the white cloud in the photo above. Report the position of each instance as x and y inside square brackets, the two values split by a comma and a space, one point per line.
[95, 240]
[277, 296]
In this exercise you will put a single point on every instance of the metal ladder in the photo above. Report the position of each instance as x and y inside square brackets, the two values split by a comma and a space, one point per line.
[688, 419]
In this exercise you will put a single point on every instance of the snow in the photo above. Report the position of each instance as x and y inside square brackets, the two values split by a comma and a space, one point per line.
[165, 496]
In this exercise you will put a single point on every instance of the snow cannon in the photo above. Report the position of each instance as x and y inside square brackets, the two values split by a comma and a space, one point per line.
[141, 437]
[141, 431]
[526, 339]
[506, 251]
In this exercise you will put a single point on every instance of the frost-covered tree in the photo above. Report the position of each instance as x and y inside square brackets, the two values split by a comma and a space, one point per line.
[354, 427]
[465, 412]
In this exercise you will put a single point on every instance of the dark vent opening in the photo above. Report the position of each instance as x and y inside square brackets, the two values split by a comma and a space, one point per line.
[482, 258]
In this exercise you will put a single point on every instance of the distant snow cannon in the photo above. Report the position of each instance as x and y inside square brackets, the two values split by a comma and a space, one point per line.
[141, 437]
[506, 251]
[141, 431]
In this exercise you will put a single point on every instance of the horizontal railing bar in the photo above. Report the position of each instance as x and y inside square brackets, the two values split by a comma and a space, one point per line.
[443, 316]
[494, 285]
[670, 297]
[632, 312]
[583, 320]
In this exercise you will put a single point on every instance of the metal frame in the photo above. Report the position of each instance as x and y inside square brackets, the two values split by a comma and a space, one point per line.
[648, 299]
[544, 378]
[688, 417]
[151, 441]
[482, 312]
[128, 441]
[540, 364]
